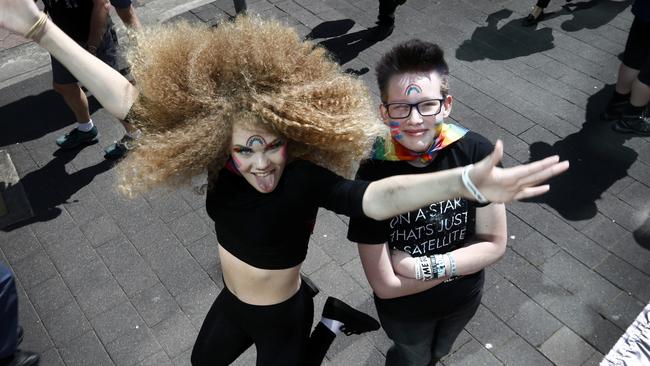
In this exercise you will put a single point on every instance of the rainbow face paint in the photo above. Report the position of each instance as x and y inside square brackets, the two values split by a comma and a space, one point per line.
[413, 89]
[260, 162]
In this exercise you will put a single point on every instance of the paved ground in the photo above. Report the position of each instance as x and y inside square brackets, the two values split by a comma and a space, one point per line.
[108, 280]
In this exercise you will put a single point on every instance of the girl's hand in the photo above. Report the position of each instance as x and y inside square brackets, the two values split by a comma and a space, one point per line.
[519, 182]
[18, 16]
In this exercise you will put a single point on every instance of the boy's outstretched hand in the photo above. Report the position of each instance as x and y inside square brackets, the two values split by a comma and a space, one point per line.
[516, 183]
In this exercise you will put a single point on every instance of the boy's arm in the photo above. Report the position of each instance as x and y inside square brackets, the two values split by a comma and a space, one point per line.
[386, 284]
[491, 235]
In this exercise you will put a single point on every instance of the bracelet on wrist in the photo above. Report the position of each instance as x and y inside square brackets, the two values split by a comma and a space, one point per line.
[37, 27]
[469, 185]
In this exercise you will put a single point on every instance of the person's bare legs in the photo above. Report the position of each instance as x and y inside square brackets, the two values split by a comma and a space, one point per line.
[626, 76]
[129, 17]
[640, 94]
[75, 99]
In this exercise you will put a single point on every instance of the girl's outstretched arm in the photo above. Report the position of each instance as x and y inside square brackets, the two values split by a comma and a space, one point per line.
[114, 92]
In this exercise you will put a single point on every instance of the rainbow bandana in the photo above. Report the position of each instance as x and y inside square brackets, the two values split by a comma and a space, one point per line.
[392, 150]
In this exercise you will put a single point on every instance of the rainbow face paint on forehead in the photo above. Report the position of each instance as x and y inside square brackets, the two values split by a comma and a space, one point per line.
[255, 139]
[413, 89]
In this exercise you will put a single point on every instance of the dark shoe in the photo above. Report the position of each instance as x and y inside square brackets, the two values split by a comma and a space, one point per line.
[530, 20]
[311, 286]
[77, 138]
[632, 124]
[614, 110]
[354, 321]
[21, 358]
[380, 32]
[119, 149]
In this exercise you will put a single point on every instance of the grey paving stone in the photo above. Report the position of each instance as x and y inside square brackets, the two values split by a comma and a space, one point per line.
[49, 296]
[355, 270]
[34, 269]
[625, 276]
[360, 352]
[155, 304]
[603, 231]
[189, 228]
[518, 352]
[117, 322]
[169, 206]
[196, 301]
[96, 300]
[334, 282]
[158, 359]
[66, 324]
[504, 299]
[18, 244]
[100, 230]
[36, 338]
[127, 266]
[585, 321]
[205, 252]
[316, 258]
[175, 334]
[492, 277]
[566, 348]
[486, 328]
[184, 359]
[85, 350]
[472, 353]
[51, 358]
[83, 206]
[535, 247]
[60, 253]
[534, 323]
[133, 347]
[331, 235]
[86, 276]
[622, 310]
[579, 280]
[629, 250]
[594, 360]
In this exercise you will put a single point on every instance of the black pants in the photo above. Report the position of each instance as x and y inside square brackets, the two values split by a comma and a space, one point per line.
[637, 49]
[387, 10]
[280, 332]
[543, 3]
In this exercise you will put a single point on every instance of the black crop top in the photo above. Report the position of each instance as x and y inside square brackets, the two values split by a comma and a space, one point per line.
[272, 230]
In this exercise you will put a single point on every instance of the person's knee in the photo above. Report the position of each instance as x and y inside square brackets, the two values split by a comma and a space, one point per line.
[66, 89]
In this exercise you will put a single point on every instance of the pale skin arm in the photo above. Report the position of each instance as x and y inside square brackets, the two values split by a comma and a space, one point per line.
[376, 261]
[391, 196]
[98, 23]
[491, 233]
[113, 91]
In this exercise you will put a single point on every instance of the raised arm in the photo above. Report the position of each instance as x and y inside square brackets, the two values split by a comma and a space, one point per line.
[403, 193]
[113, 91]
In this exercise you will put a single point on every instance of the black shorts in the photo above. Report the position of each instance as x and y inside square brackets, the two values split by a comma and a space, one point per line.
[121, 4]
[107, 52]
[637, 49]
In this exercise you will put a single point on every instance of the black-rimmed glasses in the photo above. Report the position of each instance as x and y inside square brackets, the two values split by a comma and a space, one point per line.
[429, 107]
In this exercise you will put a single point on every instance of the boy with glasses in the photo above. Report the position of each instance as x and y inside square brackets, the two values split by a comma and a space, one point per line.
[425, 267]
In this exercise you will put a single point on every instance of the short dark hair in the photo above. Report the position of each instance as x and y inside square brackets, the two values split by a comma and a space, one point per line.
[412, 56]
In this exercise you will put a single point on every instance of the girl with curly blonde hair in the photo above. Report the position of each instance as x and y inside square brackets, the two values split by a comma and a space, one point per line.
[271, 118]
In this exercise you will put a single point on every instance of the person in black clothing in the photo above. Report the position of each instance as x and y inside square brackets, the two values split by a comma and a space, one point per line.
[425, 266]
[537, 13]
[385, 19]
[266, 122]
[632, 92]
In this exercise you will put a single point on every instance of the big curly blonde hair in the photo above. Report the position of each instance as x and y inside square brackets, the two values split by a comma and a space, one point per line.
[195, 82]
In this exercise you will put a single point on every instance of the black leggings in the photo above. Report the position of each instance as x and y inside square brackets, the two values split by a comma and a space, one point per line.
[280, 332]
[543, 3]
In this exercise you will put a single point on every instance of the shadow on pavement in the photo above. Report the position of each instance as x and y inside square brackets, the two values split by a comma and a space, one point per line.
[344, 47]
[598, 159]
[510, 41]
[592, 14]
[514, 40]
[51, 186]
[35, 116]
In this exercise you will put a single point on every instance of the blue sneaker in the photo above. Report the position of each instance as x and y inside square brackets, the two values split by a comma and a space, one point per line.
[119, 149]
[77, 138]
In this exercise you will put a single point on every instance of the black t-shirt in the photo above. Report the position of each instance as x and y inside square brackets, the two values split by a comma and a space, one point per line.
[272, 230]
[72, 16]
[437, 228]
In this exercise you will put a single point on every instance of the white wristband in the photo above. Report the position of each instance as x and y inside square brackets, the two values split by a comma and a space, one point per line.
[467, 182]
